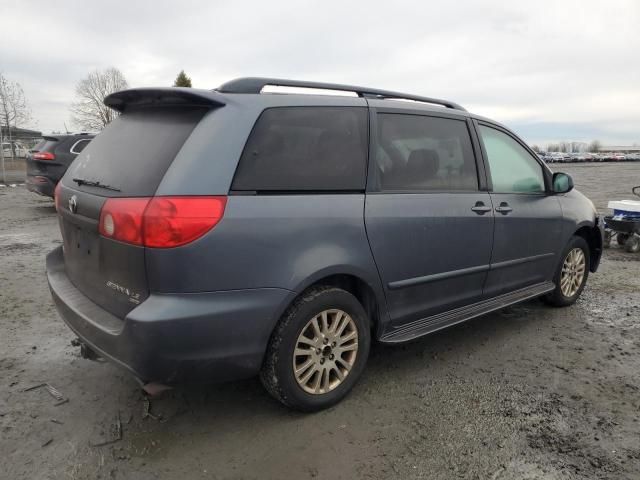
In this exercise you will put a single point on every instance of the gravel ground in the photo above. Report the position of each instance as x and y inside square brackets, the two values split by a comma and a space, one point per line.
[529, 392]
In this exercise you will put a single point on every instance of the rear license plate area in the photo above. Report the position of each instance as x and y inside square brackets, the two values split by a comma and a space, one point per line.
[81, 244]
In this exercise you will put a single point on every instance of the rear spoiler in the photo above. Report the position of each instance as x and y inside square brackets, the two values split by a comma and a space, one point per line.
[163, 96]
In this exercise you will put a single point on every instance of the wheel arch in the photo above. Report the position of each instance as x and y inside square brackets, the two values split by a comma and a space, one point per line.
[370, 296]
[593, 237]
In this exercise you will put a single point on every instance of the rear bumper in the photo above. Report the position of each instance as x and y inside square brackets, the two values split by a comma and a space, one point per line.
[213, 336]
[41, 185]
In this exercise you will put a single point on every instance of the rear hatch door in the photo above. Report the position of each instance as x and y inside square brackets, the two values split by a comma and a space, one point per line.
[128, 159]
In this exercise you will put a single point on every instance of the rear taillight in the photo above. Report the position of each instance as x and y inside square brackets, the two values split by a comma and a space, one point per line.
[121, 219]
[56, 196]
[174, 221]
[160, 222]
[43, 156]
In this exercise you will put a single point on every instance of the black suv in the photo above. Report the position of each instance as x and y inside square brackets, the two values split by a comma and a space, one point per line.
[48, 161]
[233, 232]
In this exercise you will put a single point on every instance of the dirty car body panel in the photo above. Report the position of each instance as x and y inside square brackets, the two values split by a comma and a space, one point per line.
[206, 308]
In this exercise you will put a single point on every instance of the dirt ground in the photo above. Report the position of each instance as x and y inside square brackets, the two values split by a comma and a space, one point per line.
[530, 392]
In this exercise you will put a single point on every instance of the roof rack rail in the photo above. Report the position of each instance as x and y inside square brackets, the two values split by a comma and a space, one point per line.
[256, 84]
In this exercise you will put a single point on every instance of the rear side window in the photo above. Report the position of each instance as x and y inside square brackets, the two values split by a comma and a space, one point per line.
[420, 153]
[133, 152]
[78, 146]
[305, 148]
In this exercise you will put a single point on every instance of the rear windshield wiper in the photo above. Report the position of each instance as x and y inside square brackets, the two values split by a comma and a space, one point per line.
[91, 183]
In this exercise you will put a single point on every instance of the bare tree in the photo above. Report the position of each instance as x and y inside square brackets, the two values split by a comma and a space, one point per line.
[536, 148]
[14, 111]
[595, 146]
[88, 111]
[13, 106]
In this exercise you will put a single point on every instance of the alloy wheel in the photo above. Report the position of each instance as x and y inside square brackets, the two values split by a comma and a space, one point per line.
[325, 351]
[573, 270]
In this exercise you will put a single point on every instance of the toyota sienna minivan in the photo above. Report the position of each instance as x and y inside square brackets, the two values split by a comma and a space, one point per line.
[276, 228]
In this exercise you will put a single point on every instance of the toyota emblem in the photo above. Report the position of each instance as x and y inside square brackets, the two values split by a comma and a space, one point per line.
[73, 204]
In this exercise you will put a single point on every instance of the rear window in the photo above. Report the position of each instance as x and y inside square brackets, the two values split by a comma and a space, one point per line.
[305, 149]
[133, 152]
[38, 146]
[47, 144]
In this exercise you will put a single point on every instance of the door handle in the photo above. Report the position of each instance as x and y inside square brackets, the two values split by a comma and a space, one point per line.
[504, 208]
[480, 208]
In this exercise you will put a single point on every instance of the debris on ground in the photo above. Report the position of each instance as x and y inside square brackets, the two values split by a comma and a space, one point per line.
[34, 387]
[52, 391]
[116, 433]
[146, 409]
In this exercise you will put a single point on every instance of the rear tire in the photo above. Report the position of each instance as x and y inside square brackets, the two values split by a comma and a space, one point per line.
[571, 275]
[632, 245]
[318, 350]
[622, 238]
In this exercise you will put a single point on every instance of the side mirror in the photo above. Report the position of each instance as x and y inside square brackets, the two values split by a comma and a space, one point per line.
[562, 183]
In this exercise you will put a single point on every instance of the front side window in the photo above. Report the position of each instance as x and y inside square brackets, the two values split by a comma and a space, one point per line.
[420, 153]
[305, 149]
[513, 169]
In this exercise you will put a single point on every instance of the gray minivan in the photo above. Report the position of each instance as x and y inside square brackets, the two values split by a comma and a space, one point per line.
[249, 230]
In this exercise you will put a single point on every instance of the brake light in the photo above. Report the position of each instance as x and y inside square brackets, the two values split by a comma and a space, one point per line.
[56, 196]
[44, 156]
[160, 222]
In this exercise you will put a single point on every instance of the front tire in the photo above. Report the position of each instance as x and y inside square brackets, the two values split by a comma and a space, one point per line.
[571, 274]
[318, 350]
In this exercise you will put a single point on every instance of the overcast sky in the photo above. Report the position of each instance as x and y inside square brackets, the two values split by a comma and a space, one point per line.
[551, 70]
